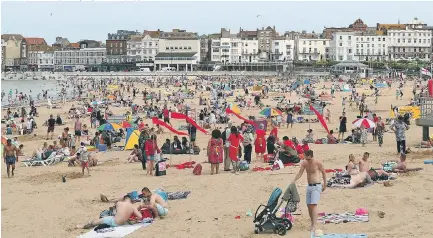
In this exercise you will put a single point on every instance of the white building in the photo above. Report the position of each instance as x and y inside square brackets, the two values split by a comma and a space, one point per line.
[410, 44]
[282, 49]
[85, 56]
[143, 48]
[41, 60]
[179, 50]
[312, 49]
[358, 46]
[232, 48]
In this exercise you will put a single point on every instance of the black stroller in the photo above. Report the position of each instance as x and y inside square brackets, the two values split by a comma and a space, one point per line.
[267, 219]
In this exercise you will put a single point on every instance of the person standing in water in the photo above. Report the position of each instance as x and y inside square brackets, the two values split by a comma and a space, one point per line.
[315, 187]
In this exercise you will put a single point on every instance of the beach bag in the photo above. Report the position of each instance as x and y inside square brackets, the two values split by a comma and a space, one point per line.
[268, 157]
[196, 150]
[161, 168]
[278, 164]
[243, 165]
[197, 169]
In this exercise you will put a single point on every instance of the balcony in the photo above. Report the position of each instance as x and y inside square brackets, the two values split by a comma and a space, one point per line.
[277, 53]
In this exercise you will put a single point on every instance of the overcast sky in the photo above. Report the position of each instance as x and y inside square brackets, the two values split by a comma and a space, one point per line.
[93, 20]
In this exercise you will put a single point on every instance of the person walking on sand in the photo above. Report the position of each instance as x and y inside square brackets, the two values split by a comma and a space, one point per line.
[51, 123]
[315, 187]
[83, 156]
[10, 156]
[235, 140]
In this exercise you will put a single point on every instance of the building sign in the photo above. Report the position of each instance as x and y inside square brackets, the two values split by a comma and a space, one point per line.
[144, 64]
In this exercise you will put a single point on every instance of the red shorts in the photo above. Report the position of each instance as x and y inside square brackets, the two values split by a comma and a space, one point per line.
[84, 164]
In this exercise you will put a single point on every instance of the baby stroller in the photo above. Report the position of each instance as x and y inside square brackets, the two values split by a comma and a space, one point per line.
[267, 219]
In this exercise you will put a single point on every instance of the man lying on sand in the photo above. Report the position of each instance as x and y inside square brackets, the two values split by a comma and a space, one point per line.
[357, 180]
[398, 166]
[375, 174]
[124, 211]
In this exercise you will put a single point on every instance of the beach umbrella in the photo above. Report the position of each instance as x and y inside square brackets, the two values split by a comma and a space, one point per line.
[307, 81]
[125, 124]
[234, 108]
[94, 103]
[270, 112]
[109, 127]
[112, 97]
[364, 121]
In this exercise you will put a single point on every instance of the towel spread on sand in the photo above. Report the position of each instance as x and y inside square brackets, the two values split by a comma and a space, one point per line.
[342, 218]
[344, 236]
[120, 231]
[178, 195]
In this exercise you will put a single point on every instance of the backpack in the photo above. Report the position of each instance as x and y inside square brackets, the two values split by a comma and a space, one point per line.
[196, 150]
[197, 169]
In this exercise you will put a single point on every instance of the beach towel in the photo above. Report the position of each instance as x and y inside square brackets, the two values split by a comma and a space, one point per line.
[120, 231]
[178, 195]
[342, 218]
[344, 236]
[387, 167]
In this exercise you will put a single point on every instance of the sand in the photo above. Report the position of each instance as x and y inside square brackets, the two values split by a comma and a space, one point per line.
[35, 203]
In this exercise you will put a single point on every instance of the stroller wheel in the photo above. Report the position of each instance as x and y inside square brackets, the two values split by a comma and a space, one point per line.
[287, 223]
[256, 230]
[280, 229]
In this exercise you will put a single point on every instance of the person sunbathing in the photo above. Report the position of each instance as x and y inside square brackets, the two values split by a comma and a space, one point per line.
[124, 210]
[135, 156]
[357, 180]
[398, 166]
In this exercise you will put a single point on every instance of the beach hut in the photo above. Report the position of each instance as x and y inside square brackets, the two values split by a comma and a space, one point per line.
[131, 138]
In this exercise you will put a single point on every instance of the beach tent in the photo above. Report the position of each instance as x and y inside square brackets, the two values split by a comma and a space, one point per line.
[131, 138]
[307, 81]
[234, 108]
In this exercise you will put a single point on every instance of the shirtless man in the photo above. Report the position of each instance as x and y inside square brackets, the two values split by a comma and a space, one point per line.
[77, 129]
[124, 210]
[156, 203]
[10, 156]
[356, 180]
[400, 166]
[364, 166]
[315, 187]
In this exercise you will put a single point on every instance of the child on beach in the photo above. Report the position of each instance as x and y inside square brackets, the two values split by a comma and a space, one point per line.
[151, 149]
[363, 135]
[235, 139]
[83, 156]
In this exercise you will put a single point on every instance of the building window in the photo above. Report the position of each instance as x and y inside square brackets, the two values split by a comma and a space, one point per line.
[304, 42]
[378, 39]
[372, 39]
[340, 44]
[189, 47]
[350, 37]
[277, 43]
[341, 37]
[350, 51]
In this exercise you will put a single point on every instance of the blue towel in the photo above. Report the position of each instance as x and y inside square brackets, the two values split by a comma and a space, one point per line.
[344, 236]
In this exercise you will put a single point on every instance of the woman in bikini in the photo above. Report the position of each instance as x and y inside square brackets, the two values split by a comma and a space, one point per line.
[351, 167]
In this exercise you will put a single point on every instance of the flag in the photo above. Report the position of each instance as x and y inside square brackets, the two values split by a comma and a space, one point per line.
[320, 117]
[229, 111]
[425, 72]
[161, 123]
[176, 115]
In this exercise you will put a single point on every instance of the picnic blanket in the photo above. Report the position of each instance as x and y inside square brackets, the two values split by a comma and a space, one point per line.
[120, 231]
[178, 195]
[342, 218]
[186, 165]
[344, 236]
[255, 169]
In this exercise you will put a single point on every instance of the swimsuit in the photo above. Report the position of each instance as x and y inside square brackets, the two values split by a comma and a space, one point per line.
[162, 211]
[10, 160]
[109, 221]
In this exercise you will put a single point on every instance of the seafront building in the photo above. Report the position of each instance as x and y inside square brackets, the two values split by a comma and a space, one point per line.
[259, 49]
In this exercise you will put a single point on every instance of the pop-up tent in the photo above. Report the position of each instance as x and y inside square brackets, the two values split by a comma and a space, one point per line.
[131, 138]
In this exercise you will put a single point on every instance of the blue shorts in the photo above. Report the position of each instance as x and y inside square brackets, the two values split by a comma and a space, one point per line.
[313, 194]
[151, 157]
[10, 160]
[109, 221]
[162, 211]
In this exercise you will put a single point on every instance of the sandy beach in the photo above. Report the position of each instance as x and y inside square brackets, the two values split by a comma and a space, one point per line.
[36, 203]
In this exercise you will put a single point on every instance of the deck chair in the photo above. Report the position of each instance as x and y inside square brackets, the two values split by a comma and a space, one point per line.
[46, 162]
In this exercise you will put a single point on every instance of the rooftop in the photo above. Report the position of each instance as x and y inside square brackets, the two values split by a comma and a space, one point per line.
[35, 41]
[12, 37]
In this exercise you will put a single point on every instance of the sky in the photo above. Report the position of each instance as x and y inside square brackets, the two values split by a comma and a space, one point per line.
[94, 20]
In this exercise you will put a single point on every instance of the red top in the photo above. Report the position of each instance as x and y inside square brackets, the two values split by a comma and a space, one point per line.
[299, 149]
[151, 147]
[305, 147]
[274, 132]
[261, 133]
[375, 119]
[165, 112]
[235, 141]
[289, 143]
[141, 126]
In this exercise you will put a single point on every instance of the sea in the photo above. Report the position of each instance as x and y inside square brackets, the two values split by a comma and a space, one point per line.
[31, 87]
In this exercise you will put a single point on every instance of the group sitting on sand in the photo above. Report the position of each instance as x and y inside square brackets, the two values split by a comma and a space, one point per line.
[362, 173]
[128, 206]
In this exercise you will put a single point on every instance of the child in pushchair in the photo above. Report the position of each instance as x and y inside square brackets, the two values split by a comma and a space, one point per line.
[267, 219]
